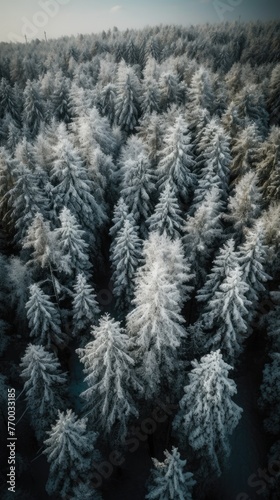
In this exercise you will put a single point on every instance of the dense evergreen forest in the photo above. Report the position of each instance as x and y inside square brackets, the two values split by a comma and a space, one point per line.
[140, 264]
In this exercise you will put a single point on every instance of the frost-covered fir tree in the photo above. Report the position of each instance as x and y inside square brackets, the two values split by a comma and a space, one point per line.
[252, 258]
[225, 261]
[169, 481]
[226, 315]
[150, 130]
[73, 189]
[206, 180]
[39, 238]
[33, 109]
[61, 105]
[125, 256]
[245, 204]
[161, 250]
[268, 161]
[120, 215]
[111, 379]
[171, 89]
[155, 326]
[207, 414]
[70, 450]
[137, 189]
[85, 306]
[128, 98]
[203, 231]
[25, 199]
[270, 394]
[245, 150]
[201, 91]
[70, 238]
[91, 130]
[151, 96]
[44, 386]
[273, 96]
[177, 162]
[43, 318]
[10, 101]
[107, 101]
[167, 218]
[216, 157]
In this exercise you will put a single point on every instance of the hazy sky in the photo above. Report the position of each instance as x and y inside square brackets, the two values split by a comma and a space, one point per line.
[66, 17]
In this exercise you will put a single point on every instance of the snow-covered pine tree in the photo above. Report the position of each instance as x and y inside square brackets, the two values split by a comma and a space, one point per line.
[245, 204]
[111, 379]
[177, 161]
[225, 261]
[25, 199]
[267, 165]
[10, 101]
[125, 257]
[161, 250]
[73, 189]
[270, 394]
[61, 105]
[33, 109]
[85, 307]
[43, 318]
[107, 101]
[200, 91]
[150, 130]
[71, 452]
[206, 180]
[44, 386]
[207, 414]
[169, 480]
[137, 189]
[167, 218]
[128, 98]
[151, 96]
[171, 89]
[203, 231]
[46, 253]
[198, 120]
[273, 100]
[213, 161]
[120, 215]
[155, 326]
[252, 258]
[92, 129]
[250, 108]
[245, 150]
[226, 315]
[70, 238]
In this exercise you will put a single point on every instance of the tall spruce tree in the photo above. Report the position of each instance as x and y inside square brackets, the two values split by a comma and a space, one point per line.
[169, 480]
[44, 386]
[111, 379]
[207, 414]
[125, 256]
[71, 452]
